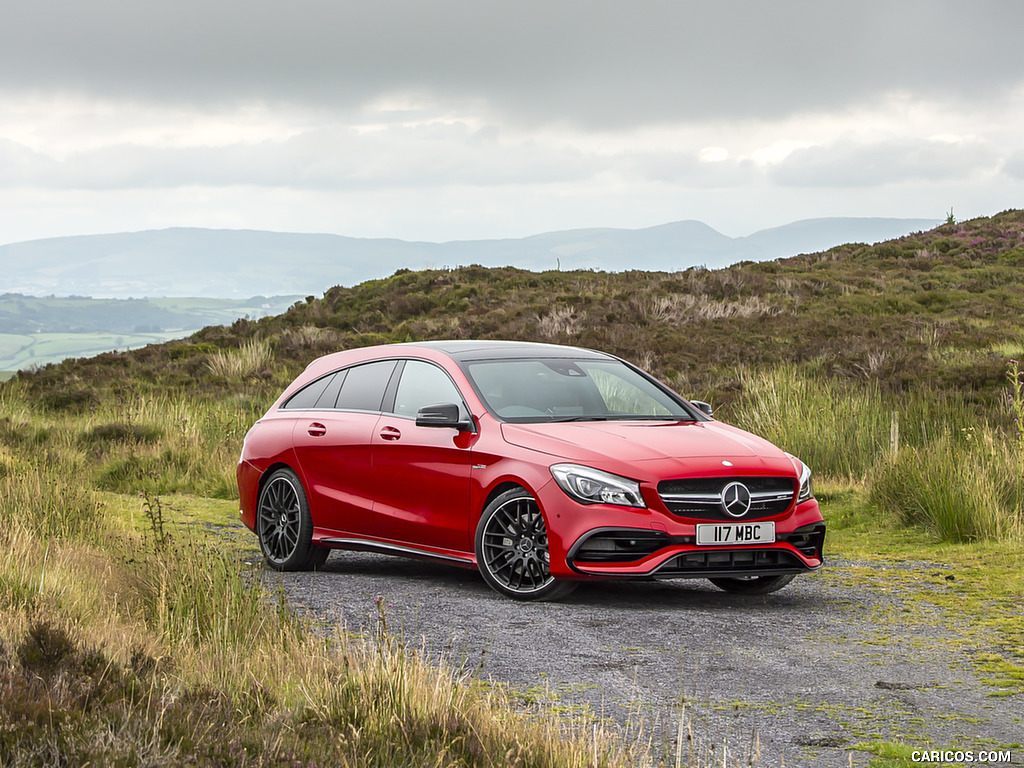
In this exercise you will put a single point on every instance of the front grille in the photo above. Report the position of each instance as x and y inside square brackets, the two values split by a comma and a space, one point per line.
[701, 497]
[732, 562]
[618, 546]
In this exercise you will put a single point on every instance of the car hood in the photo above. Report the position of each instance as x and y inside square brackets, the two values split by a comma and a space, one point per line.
[668, 447]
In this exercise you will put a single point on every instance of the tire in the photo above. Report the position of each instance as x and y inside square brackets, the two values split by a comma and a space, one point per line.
[512, 549]
[753, 585]
[284, 526]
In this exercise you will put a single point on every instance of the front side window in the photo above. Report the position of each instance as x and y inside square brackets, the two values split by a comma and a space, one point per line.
[424, 384]
[571, 390]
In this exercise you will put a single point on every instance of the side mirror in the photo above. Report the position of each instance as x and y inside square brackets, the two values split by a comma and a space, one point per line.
[701, 406]
[442, 415]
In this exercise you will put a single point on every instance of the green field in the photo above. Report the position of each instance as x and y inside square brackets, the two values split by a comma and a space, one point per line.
[39, 331]
[19, 351]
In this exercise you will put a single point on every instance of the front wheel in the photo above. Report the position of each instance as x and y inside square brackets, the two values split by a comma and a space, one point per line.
[284, 525]
[753, 585]
[512, 549]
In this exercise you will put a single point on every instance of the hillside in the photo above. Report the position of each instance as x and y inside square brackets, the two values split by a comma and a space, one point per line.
[940, 308]
[229, 263]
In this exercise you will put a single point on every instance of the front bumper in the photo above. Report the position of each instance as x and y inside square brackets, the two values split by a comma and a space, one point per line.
[620, 542]
[795, 552]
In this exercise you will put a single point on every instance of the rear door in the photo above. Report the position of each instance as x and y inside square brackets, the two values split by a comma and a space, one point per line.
[332, 439]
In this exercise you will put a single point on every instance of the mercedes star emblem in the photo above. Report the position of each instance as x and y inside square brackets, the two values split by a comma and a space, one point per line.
[736, 499]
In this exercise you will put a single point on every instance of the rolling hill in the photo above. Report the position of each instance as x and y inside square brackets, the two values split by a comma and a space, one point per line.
[941, 307]
[236, 264]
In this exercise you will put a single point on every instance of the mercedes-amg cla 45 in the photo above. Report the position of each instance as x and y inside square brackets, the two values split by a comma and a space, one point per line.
[539, 465]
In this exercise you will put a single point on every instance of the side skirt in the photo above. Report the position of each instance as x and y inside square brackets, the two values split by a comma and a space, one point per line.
[368, 545]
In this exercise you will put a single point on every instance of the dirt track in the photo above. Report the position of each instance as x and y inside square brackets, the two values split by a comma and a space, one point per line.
[831, 661]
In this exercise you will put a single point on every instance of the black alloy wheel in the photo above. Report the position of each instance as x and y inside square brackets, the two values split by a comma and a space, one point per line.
[284, 525]
[753, 585]
[512, 549]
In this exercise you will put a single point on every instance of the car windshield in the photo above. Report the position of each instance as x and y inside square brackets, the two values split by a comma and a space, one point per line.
[547, 390]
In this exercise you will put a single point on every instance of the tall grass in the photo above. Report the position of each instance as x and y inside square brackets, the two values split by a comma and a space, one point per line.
[839, 431]
[841, 428]
[128, 647]
[963, 490]
[927, 458]
[252, 358]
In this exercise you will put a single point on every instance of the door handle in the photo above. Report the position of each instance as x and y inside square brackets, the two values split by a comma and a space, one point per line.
[390, 433]
[316, 429]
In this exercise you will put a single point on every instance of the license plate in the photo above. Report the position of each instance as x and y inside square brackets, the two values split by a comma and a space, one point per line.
[731, 534]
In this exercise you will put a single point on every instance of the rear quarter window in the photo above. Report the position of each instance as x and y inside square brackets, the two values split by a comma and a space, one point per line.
[307, 396]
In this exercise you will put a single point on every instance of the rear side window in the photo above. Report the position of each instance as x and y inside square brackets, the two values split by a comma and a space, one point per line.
[330, 395]
[363, 389]
[308, 396]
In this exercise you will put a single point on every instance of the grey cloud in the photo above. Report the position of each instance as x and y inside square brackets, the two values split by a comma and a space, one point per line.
[17, 161]
[323, 159]
[1015, 166]
[853, 164]
[687, 170]
[590, 62]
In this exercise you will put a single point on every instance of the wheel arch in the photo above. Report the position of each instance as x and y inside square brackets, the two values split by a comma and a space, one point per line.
[270, 471]
[503, 485]
[497, 490]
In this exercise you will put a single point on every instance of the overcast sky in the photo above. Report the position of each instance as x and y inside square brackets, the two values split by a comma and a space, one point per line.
[460, 119]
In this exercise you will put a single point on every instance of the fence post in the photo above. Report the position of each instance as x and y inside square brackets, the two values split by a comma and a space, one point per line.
[894, 433]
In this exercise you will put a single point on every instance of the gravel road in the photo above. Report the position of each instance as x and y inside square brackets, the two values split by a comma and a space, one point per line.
[832, 661]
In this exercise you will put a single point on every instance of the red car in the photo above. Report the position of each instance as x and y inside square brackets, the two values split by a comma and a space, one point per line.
[540, 465]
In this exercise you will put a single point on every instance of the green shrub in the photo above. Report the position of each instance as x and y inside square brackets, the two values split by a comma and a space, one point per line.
[183, 351]
[119, 432]
[69, 400]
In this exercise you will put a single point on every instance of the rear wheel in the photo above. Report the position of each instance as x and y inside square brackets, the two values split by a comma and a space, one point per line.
[512, 549]
[753, 585]
[284, 525]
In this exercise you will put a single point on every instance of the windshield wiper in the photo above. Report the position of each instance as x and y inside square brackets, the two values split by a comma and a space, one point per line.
[620, 417]
[653, 417]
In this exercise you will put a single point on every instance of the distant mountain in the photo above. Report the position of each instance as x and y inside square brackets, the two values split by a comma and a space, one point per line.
[239, 263]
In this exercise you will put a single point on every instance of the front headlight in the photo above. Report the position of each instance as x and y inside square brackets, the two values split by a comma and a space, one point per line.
[806, 487]
[592, 486]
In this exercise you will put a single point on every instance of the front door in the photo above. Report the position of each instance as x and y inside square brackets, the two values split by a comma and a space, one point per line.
[421, 474]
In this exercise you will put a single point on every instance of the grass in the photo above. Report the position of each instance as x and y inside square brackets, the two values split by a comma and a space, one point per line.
[250, 359]
[959, 477]
[962, 491]
[841, 428]
[105, 570]
[128, 637]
